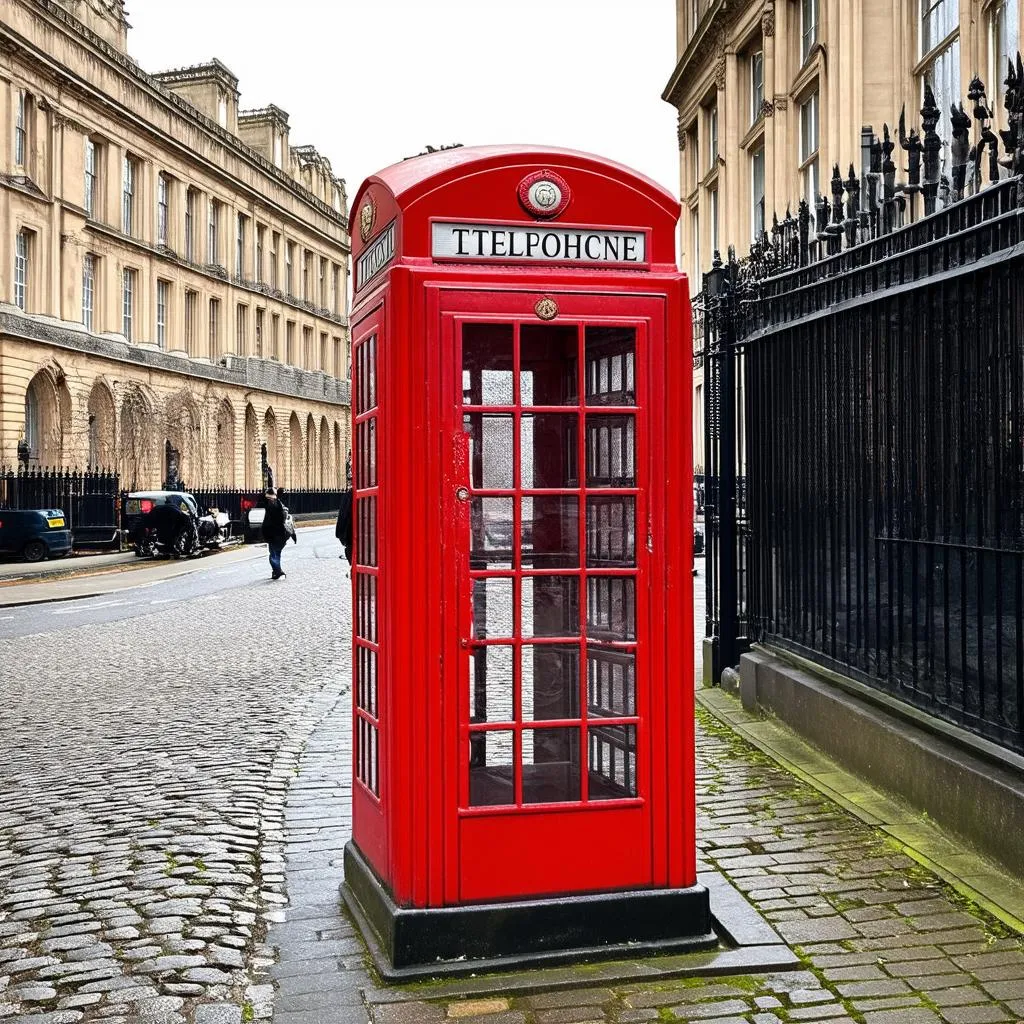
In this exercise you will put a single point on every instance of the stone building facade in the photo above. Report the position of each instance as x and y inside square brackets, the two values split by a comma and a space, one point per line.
[772, 94]
[173, 272]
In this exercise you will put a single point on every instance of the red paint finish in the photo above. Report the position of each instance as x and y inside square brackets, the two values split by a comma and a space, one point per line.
[522, 594]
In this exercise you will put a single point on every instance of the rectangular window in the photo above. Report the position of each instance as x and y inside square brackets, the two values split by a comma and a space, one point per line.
[809, 161]
[756, 85]
[191, 315]
[939, 19]
[21, 128]
[307, 348]
[241, 316]
[190, 225]
[163, 190]
[213, 232]
[240, 248]
[336, 288]
[289, 259]
[214, 328]
[692, 143]
[90, 177]
[128, 304]
[698, 267]
[323, 283]
[757, 192]
[88, 290]
[261, 235]
[323, 353]
[275, 336]
[259, 334]
[809, 27]
[942, 76]
[289, 343]
[22, 255]
[1003, 37]
[713, 195]
[305, 274]
[337, 358]
[128, 195]
[712, 119]
[275, 248]
[162, 289]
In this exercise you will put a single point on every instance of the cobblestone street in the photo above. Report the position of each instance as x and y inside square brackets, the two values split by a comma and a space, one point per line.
[146, 847]
[141, 791]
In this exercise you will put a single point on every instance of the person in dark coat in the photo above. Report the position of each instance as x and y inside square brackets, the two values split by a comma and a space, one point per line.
[275, 532]
[343, 531]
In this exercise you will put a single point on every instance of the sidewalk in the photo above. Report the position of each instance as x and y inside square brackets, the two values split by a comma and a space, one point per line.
[879, 938]
[73, 564]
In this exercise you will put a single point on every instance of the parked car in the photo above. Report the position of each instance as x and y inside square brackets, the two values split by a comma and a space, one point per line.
[170, 523]
[34, 534]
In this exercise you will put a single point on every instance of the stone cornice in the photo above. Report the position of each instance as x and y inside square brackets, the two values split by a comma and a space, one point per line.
[181, 108]
[240, 371]
[704, 44]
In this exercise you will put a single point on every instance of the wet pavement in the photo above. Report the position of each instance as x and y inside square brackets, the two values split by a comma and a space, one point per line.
[174, 799]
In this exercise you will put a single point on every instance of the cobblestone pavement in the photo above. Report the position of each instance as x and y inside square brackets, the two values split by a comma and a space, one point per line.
[882, 940]
[146, 846]
[142, 791]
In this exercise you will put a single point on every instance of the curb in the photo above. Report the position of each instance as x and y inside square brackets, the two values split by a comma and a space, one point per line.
[58, 577]
[743, 723]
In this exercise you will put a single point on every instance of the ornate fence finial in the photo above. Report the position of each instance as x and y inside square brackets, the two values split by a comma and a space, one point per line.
[932, 145]
[959, 146]
[852, 224]
[1013, 135]
[803, 232]
[911, 144]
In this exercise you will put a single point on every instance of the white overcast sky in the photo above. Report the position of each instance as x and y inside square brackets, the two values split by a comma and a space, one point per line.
[371, 81]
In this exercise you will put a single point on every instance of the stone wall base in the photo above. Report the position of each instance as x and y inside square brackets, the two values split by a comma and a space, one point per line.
[965, 784]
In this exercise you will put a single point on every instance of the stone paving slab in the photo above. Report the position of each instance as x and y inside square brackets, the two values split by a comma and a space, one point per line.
[881, 940]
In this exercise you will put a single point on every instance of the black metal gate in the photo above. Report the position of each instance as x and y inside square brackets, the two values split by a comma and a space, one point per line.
[864, 463]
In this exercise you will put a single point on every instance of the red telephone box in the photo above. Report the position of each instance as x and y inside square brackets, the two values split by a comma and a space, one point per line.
[522, 589]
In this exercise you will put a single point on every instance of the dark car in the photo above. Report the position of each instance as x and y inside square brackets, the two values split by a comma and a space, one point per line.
[34, 534]
[141, 503]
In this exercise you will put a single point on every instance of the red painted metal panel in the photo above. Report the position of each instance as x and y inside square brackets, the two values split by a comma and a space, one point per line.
[558, 854]
[420, 832]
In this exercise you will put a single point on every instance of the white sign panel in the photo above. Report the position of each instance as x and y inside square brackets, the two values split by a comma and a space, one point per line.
[377, 256]
[526, 243]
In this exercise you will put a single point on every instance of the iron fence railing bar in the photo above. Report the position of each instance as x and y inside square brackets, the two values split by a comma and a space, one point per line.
[864, 430]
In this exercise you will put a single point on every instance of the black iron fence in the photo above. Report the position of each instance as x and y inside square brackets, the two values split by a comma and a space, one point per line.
[301, 502]
[866, 377]
[93, 501]
[88, 498]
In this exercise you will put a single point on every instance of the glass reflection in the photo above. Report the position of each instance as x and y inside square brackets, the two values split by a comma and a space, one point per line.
[610, 365]
[487, 364]
[548, 356]
[551, 532]
[491, 773]
[492, 608]
[551, 606]
[551, 765]
[547, 454]
[551, 682]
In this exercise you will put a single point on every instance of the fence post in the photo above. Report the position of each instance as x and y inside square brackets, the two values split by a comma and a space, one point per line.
[728, 626]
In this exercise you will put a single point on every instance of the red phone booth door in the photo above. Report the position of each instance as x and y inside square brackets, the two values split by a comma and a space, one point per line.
[553, 588]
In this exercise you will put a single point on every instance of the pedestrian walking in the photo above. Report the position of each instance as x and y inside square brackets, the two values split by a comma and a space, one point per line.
[275, 532]
[343, 531]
